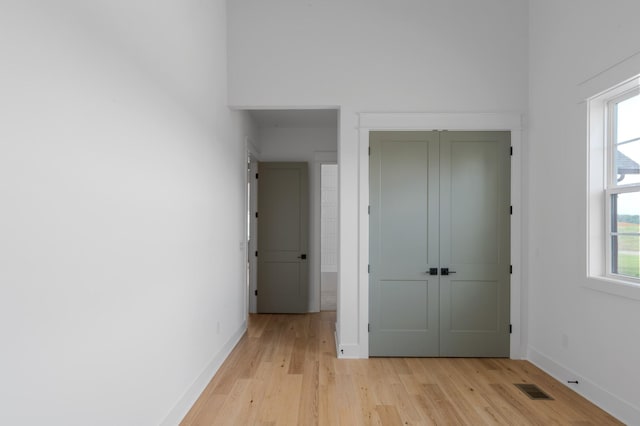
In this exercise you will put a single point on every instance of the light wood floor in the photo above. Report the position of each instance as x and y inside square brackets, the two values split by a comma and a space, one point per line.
[284, 371]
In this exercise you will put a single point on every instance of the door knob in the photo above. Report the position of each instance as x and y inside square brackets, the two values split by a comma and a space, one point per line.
[446, 271]
[302, 256]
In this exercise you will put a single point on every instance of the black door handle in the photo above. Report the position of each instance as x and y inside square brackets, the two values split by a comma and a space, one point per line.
[446, 271]
[433, 271]
[302, 256]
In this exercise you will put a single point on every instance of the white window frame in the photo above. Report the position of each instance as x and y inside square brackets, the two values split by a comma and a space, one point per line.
[613, 188]
[601, 186]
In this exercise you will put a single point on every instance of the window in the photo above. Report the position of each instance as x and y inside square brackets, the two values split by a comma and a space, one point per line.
[614, 184]
[623, 186]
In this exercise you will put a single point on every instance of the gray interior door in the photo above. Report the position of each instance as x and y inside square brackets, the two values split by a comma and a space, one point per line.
[404, 244]
[439, 244]
[283, 211]
[475, 243]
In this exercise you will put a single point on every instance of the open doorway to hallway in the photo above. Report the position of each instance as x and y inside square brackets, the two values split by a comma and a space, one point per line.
[296, 136]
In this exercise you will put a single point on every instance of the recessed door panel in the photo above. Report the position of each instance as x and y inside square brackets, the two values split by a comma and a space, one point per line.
[474, 306]
[404, 199]
[414, 296]
[281, 208]
[475, 200]
[282, 281]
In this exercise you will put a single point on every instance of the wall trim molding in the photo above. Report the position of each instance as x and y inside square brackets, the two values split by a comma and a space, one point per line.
[185, 403]
[617, 407]
[508, 121]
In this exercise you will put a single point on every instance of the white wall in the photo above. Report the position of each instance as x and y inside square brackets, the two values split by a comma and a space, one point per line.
[436, 55]
[122, 275]
[310, 145]
[577, 49]
[430, 56]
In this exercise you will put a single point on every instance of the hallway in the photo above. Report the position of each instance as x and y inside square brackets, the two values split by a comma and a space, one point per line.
[284, 371]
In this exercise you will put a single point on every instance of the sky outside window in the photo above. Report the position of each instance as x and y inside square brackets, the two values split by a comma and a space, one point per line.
[628, 144]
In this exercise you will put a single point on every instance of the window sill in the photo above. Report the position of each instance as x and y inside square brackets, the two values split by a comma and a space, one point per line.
[615, 287]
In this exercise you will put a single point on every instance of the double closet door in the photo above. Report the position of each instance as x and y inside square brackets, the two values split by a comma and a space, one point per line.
[439, 244]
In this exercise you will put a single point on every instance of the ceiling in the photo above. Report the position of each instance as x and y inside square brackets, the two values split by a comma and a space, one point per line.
[295, 117]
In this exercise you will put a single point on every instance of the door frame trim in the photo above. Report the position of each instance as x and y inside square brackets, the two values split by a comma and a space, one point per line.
[252, 153]
[512, 122]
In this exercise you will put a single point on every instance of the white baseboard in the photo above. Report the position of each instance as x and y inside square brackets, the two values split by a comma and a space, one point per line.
[617, 407]
[195, 390]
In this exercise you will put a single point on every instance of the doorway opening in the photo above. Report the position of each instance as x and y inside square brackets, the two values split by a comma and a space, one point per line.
[291, 136]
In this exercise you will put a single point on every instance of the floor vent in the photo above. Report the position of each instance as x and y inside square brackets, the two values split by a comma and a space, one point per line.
[532, 391]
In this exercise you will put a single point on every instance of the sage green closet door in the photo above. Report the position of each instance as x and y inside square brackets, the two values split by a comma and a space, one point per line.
[439, 202]
[404, 244]
[474, 244]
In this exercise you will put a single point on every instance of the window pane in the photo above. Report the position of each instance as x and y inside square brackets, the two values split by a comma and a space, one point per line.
[628, 163]
[627, 148]
[625, 208]
[626, 257]
[625, 234]
[628, 119]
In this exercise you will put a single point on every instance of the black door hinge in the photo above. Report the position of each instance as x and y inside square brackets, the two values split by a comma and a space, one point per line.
[369, 328]
[368, 209]
[369, 268]
[256, 253]
[369, 150]
[510, 328]
[256, 175]
[510, 209]
[255, 292]
[511, 269]
[511, 150]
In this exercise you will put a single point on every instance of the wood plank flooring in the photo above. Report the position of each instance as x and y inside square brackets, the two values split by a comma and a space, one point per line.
[284, 371]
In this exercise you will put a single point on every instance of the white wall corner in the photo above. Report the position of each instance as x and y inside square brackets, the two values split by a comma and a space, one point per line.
[185, 403]
[617, 407]
[349, 307]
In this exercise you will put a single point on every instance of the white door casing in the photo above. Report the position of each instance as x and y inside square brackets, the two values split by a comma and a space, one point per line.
[511, 122]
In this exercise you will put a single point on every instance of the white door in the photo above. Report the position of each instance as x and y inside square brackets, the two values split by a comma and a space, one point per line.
[439, 244]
